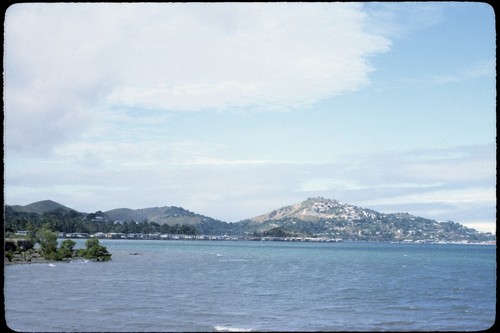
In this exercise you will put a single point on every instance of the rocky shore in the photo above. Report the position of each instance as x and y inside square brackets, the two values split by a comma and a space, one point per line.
[23, 251]
[28, 257]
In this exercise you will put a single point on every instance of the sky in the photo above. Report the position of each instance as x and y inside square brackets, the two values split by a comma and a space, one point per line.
[231, 110]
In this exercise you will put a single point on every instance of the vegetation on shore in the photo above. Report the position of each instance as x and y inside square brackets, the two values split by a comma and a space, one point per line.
[23, 249]
[74, 222]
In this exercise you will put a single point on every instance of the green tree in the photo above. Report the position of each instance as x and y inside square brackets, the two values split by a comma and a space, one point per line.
[66, 249]
[95, 251]
[31, 232]
[276, 232]
[48, 242]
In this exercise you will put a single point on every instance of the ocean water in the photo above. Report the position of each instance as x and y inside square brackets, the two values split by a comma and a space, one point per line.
[208, 286]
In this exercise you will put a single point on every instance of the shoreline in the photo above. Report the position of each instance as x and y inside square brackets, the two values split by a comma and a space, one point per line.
[34, 258]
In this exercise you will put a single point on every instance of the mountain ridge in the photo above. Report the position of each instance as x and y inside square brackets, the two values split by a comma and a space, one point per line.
[316, 216]
[40, 207]
[165, 214]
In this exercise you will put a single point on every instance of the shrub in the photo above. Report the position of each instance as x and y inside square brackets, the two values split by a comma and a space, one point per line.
[96, 251]
[66, 249]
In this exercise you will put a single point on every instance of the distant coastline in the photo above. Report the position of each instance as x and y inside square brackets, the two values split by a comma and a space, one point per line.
[165, 237]
[313, 220]
[35, 257]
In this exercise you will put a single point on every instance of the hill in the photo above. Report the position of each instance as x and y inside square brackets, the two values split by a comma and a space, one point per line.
[40, 207]
[161, 215]
[315, 209]
[331, 218]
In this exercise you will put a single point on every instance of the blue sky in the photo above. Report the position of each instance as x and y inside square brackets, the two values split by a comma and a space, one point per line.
[231, 109]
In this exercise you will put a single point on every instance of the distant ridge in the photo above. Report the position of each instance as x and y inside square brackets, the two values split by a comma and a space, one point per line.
[314, 217]
[169, 214]
[40, 207]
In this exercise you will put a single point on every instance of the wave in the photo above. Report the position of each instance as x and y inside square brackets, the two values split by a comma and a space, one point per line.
[231, 329]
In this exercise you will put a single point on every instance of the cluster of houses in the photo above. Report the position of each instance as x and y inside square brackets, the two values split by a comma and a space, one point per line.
[160, 236]
[156, 235]
[336, 210]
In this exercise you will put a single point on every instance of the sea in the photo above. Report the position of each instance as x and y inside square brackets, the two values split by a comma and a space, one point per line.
[255, 286]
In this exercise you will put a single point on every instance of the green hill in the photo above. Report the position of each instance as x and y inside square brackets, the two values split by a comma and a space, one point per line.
[161, 215]
[40, 207]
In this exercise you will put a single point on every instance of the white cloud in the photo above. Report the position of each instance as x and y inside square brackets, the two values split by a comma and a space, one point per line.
[469, 195]
[65, 63]
[397, 19]
[335, 183]
[476, 70]
[484, 226]
[242, 55]
[415, 170]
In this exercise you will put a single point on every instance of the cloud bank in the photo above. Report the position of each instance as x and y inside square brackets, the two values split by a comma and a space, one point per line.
[66, 64]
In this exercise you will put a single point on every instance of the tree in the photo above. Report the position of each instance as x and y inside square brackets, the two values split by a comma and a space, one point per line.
[48, 242]
[66, 249]
[95, 251]
[276, 232]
